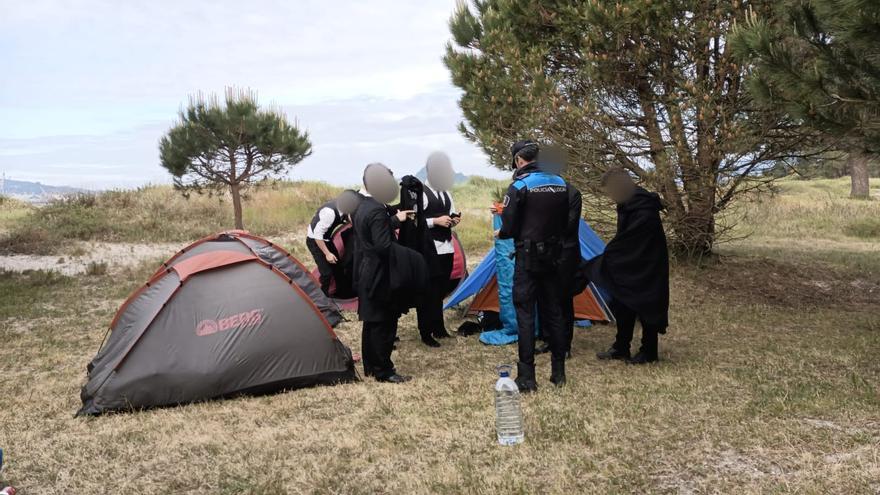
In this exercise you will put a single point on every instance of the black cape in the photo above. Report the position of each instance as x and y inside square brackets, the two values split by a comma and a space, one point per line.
[413, 234]
[635, 264]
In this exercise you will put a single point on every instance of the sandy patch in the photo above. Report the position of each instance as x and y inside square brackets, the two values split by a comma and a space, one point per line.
[81, 255]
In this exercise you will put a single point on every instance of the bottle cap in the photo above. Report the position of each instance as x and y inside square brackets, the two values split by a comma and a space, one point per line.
[503, 370]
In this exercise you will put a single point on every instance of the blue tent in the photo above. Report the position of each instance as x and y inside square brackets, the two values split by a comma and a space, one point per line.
[492, 284]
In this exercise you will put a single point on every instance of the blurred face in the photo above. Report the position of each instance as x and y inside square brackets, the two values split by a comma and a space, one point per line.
[441, 176]
[347, 202]
[619, 188]
[380, 183]
[553, 159]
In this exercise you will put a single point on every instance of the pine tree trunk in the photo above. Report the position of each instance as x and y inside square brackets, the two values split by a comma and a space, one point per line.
[858, 172]
[235, 189]
[694, 234]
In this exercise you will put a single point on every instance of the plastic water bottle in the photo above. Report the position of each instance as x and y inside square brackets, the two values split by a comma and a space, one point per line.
[508, 411]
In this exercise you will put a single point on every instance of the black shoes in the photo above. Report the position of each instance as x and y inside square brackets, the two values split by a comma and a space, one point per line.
[525, 378]
[557, 373]
[613, 353]
[526, 386]
[395, 378]
[430, 341]
[643, 358]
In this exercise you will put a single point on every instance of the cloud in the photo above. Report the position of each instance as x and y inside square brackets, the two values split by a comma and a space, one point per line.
[95, 83]
[346, 135]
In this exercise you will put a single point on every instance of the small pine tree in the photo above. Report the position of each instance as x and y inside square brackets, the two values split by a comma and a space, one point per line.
[819, 61]
[230, 146]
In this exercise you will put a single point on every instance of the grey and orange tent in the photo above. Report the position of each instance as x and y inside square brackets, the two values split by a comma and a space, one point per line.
[341, 289]
[491, 286]
[228, 315]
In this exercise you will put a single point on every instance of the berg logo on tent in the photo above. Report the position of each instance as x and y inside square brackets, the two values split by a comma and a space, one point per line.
[248, 319]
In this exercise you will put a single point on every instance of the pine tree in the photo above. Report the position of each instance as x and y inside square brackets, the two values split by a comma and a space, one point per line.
[231, 146]
[649, 85]
[819, 61]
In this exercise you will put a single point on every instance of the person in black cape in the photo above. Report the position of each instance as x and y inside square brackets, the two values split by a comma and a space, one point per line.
[634, 268]
[374, 278]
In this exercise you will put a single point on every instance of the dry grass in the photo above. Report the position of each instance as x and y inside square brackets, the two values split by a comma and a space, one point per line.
[157, 214]
[767, 386]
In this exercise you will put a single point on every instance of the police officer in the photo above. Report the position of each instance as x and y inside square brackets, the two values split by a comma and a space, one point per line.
[535, 216]
[327, 219]
[553, 160]
[571, 258]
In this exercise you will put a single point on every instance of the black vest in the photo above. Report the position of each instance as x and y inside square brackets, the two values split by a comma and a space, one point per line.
[337, 219]
[437, 208]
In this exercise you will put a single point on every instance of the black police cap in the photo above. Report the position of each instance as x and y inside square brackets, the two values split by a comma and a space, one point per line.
[520, 146]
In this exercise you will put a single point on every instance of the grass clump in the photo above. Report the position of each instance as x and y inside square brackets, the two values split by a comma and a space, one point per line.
[864, 228]
[96, 268]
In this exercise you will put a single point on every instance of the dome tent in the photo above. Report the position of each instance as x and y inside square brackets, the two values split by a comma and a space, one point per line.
[230, 314]
[491, 286]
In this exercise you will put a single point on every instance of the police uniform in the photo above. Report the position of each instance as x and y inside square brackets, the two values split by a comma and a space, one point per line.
[571, 258]
[326, 220]
[535, 215]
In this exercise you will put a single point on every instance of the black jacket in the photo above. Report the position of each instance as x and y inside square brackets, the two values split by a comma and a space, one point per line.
[388, 277]
[536, 207]
[372, 275]
[573, 226]
[635, 265]
[409, 277]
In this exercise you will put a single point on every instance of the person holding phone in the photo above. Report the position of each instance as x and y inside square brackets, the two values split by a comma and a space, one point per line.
[440, 218]
[374, 230]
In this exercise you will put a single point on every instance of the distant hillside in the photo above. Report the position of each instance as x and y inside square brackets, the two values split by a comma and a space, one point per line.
[460, 178]
[34, 192]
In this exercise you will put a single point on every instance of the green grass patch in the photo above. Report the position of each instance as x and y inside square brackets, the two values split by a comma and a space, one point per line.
[864, 228]
[30, 294]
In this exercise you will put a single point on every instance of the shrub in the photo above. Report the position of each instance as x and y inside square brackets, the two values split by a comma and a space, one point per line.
[30, 239]
[96, 268]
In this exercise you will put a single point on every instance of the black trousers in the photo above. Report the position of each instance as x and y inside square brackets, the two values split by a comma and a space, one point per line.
[377, 343]
[570, 260]
[626, 323]
[538, 294]
[430, 308]
[325, 269]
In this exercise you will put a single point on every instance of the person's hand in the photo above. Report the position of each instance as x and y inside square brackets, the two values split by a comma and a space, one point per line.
[497, 233]
[402, 215]
[493, 210]
[444, 221]
[331, 258]
[456, 221]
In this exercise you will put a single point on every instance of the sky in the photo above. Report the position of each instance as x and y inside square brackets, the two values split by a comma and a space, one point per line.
[88, 87]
